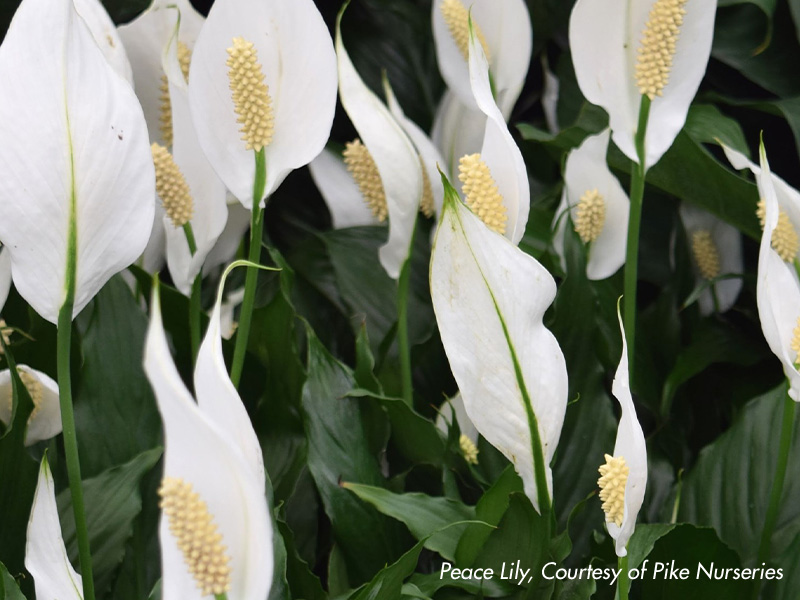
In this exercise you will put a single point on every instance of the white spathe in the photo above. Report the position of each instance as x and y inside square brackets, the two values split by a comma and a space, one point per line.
[395, 157]
[587, 170]
[74, 152]
[45, 555]
[46, 422]
[630, 444]
[212, 446]
[299, 64]
[489, 298]
[777, 289]
[106, 35]
[605, 36]
[340, 191]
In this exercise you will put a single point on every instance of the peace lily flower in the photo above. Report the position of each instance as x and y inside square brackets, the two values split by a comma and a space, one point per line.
[494, 181]
[489, 298]
[347, 205]
[716, 249]
[45, 555]
[778, 289]
[286, 48]
[76, 187]
[623, 477]
[384, 163]
[215, 531]
[598, 208]
[468, 440]
[192, 194]
[623, 51]
[45, 419]
[505, 34]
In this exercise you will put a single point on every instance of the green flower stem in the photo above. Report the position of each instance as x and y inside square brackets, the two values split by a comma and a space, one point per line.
[221, 596]
[63, 348]
[777, 487]
[63, 344]
[256, 234]
[623, 583]
[634, 222]
[194, 301]
[402, 326]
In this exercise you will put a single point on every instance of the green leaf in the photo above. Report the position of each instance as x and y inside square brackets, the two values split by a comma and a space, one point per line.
[522, 535]
[786, 587]
[425, 516]
[9, 590]
[712, 342]
[113, 502]
[643, 539]
[729, 486]
[115, 411]
[416, 437]
[387, 584]
[338, 450]
[689, 546]
[302, 582]
[490, 509]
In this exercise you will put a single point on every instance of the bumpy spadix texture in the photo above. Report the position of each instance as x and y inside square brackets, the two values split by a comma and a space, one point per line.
[657, 47]
[34, 391]
[706, 254]
[365, 173]
[196, 534]
[165, 115]
[171, 187]
[468, 449]
[784, 239]
[613, 478]
[456, 16]
[590, 216]
[251, 99]
[481, 193]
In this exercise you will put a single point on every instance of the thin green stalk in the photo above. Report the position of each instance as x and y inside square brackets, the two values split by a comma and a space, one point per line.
[256, 233]
[194, 300]
[777, 488]
[623, 583]
[402, 326]
[63, 348]
[634, 223]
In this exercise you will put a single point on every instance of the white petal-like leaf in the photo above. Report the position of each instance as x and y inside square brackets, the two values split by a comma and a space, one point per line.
[499, 151]
[457, 130]
[297, 57]
[74, 156]
[605, 36]
[630, 444]
[105, 34]
[202, 453]
[394, 155]
[45, 555]
[229, 240]
[778, 290]
[489, 298]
